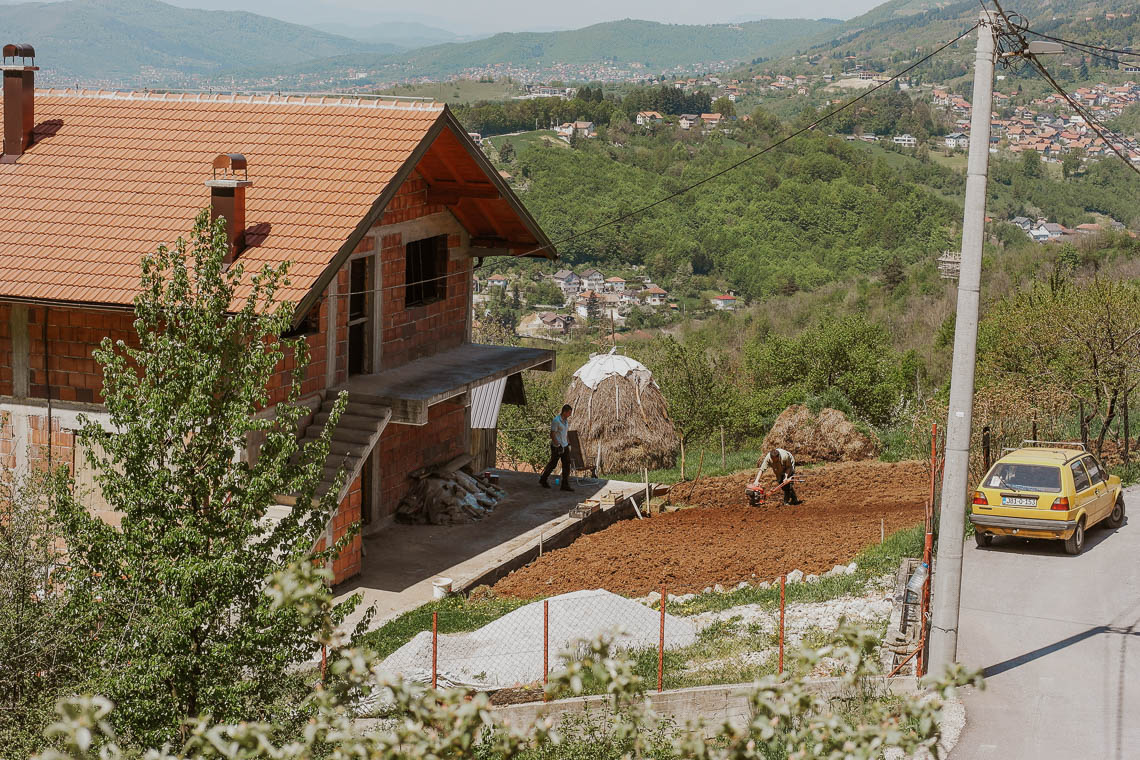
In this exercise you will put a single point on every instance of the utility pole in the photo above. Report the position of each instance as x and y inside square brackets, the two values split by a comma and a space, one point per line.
[952, 522]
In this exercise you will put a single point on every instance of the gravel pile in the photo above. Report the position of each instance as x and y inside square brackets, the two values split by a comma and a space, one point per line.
[509, 651]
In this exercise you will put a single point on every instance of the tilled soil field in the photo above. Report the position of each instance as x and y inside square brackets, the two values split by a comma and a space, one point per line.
[721, 539]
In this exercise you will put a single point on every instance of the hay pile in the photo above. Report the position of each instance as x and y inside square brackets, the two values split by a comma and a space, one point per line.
[828, 437]
[620, 416]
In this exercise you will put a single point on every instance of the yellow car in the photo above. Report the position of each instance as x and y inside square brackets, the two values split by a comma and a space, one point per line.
[1046, 492]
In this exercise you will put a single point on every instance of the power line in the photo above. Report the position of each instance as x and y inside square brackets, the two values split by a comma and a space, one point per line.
[1021, 49]
[699, 183]
[1082, 45]
[756, 155]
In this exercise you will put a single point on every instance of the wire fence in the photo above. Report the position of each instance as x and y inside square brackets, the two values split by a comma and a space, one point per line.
[516, 653]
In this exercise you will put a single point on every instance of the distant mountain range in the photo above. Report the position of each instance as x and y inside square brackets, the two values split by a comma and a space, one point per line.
[641, 45]
[404, 34]
[135, 42]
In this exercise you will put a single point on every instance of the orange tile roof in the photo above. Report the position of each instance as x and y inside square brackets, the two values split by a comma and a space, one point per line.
[112, 175]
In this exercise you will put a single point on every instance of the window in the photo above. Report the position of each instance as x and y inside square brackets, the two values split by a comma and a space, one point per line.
[1080, 478]
[359, 316]
[1096, 475]
[310, 324]
[1024, 477]
[425, 271]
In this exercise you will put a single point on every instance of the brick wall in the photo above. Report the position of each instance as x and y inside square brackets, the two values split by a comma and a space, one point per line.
[316, 373]
[420, 331]
[62, 443]
[72, 336]
[406, 448]
[7, 443]
[347, 563]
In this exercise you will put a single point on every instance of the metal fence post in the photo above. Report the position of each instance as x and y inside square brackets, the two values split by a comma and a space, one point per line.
[661, 646]
[434, 647]
[545, 645]
[783, 582]
[986, 448]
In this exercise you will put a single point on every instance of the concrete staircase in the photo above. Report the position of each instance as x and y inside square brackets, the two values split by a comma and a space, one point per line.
[352, 440]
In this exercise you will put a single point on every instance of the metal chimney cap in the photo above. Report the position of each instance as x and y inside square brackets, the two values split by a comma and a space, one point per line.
[230, 170]
[13, 51]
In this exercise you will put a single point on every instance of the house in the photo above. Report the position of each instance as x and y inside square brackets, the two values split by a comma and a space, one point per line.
[615, 284]
[724, 303]
[585, 129]
[1088, 229]
[1023, 222]
[497, 281]
[907, 140]
[557, 323]
[649, 118]
[607, 305]
[569, 282]
[712, 120]
[594, 280]
[1046, 231]
[956, 140]
[363, 197]
[688, 120]
[654, 296]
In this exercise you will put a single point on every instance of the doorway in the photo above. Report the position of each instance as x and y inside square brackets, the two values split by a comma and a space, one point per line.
[360, 300]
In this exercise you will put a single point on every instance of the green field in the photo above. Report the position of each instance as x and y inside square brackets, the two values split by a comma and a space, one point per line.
[459, 90]
[525, 140]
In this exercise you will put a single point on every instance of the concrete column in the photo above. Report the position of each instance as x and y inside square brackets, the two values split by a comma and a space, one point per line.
[947, 587]
[18, 323]
[330, 334]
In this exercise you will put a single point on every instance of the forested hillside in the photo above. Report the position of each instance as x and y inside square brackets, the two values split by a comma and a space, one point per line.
[815, 210]
[124, 41]
[646, 44]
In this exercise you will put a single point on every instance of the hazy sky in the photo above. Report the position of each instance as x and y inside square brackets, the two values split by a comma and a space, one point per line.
[467, 17]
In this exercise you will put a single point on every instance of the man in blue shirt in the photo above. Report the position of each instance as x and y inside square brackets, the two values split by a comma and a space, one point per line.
[559, 449]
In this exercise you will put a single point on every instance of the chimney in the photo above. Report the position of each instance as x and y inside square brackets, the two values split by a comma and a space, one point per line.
[227, 198]
[19, 67]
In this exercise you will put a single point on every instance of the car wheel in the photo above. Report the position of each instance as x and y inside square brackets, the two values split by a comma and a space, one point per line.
[1116, 518]
[983, 539]
[1075, 543]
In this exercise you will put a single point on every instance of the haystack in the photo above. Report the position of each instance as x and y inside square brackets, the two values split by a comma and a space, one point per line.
[621, 416]
[826, 437]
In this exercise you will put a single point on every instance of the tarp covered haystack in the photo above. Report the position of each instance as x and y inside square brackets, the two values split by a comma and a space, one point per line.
[621, 416]
[826, 437]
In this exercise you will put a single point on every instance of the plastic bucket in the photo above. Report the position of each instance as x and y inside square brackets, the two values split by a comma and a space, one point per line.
[440, 588]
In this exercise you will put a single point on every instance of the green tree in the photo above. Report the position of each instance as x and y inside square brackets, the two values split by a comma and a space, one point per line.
[697, 384]
[1031, 164]
[43, 643]
[725, 107]
[1071, 163]
[544, 292]
[185, 629]
[506, 152]
[893, 273]
[593, 309]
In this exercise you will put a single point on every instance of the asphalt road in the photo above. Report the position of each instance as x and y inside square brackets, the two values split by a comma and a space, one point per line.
[1059, 639]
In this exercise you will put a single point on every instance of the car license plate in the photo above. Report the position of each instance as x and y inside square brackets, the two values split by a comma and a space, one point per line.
[1018, 501]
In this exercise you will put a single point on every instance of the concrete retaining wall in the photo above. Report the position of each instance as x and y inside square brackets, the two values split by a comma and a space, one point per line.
[556, 539]
[714, 705]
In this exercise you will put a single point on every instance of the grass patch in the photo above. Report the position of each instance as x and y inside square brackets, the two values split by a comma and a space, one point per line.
[874, 561]
[456, 615]
[735, 461]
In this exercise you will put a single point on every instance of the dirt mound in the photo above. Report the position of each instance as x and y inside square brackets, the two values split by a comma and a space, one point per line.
[826, 437]
[723, 540]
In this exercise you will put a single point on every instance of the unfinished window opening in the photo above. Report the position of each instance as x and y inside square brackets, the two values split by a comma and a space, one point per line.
[425, 271]
[359, 316]
[310, 324]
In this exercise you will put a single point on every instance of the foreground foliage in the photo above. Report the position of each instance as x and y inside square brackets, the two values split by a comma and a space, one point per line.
[173, 598]
[789, 719]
